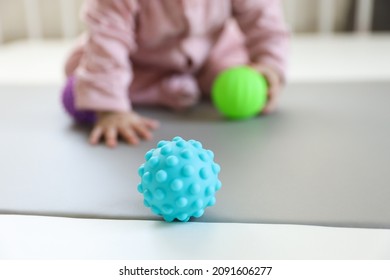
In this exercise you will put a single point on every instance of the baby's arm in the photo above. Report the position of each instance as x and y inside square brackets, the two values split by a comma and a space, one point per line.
[104, 74]
[267, 41]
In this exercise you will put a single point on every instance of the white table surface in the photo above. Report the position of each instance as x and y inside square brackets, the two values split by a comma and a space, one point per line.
[33, 237]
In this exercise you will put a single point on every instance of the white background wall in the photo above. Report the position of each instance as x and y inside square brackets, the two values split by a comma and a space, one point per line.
[358, 56]
[303, 16]
[13, 17]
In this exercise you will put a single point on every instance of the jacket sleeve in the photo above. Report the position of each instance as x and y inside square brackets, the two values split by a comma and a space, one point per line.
[266, 35]
[104, 73]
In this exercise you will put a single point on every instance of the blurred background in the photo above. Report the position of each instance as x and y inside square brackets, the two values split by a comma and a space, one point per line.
[332, 40]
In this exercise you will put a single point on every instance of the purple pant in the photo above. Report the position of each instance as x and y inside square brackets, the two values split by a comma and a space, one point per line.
[86, 117]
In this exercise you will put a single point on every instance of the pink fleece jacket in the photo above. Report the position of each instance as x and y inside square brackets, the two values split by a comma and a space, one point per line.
[168, 36]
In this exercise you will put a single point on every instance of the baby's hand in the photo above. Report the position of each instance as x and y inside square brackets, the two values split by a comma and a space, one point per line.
[129, 125]
[274, 85]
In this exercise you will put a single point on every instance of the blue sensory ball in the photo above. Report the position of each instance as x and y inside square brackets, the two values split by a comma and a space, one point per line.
[179, 179]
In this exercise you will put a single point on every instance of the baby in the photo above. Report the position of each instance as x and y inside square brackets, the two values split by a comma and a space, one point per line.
[168, 53]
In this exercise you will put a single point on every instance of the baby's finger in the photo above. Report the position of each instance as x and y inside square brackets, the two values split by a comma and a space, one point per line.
[271, 104]
[151, 123]
[270, 75]
[111, 135]
[272, 81]
[268, 109]
[95, 135]
[129, 135]
[143, 131]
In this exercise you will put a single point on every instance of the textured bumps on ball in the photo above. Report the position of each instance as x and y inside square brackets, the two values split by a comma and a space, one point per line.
[179, 179]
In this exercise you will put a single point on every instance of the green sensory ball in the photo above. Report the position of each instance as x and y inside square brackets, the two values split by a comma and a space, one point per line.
[239, 92]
